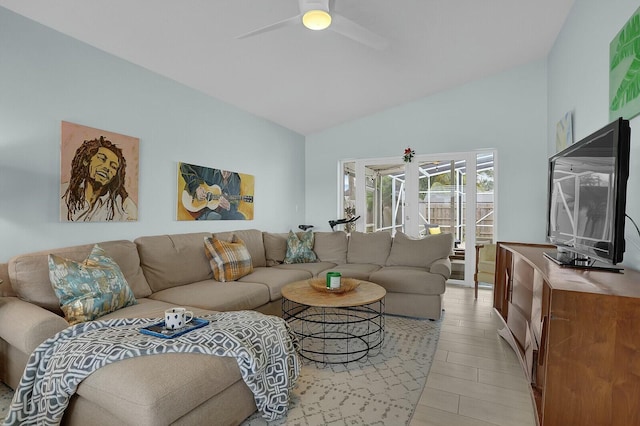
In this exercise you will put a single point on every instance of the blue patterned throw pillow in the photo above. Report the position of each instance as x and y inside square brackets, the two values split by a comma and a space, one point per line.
[89, 289]
[300, 250]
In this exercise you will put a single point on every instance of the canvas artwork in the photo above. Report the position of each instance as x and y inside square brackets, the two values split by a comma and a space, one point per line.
[564, 132]
[213, 194]
[624, 71]
[98, 175]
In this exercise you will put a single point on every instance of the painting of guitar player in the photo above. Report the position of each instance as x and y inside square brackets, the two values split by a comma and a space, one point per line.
[213, 194]
[98, 175]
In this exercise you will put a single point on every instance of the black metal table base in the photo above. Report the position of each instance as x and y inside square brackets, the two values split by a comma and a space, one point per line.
[336, 335]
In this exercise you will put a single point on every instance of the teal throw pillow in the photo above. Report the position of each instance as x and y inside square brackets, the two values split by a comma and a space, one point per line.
[89, 289]
[300, 250]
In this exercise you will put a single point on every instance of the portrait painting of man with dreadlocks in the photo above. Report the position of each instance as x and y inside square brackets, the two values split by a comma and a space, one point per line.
[99, 175]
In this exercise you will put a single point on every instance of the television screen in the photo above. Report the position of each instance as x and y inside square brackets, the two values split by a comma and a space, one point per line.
[587, 194]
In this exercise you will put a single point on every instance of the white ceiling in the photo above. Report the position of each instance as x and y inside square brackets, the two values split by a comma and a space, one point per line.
[306, 80]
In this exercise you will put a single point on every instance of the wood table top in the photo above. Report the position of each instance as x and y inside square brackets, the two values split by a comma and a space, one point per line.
[302, 292]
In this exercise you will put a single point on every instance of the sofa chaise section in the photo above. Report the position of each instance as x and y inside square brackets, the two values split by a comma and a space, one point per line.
[192, 389]
[139, 396]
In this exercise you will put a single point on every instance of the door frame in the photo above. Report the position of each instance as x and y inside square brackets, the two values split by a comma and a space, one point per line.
[411, 195]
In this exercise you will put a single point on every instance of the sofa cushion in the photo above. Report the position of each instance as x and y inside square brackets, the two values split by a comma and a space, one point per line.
[149, 308]
[90, 289]
[173, 260]
[359, 271]
[276, 278]
[216, 295]
[408, 280]
[29, 273]
[252, 239]
[300, 249]
[331, 246]
[312, 268]
[275, 248]
[229, 260]
[419, 253]
[328, 247]
[134, 391]
[369, 247]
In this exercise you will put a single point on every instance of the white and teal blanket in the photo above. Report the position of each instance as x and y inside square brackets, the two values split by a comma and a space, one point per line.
[263, 346]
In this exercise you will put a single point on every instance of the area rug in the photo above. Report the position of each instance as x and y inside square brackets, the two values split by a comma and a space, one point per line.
[6, 395]
[383, 390]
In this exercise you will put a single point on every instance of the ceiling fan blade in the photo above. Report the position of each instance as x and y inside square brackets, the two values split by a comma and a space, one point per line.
[350, 29]
[294, 20]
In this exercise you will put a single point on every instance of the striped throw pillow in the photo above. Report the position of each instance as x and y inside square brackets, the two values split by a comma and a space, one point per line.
[229, 260]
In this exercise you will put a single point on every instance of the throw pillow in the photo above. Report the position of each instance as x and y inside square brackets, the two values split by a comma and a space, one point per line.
[435, 230]
[300, 250]
[420, 253]
[90, 289]
[253, 241]
[229, 260]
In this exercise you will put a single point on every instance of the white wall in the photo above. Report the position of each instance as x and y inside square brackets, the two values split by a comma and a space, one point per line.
[506, 112]
[578, 81]
[46, 77]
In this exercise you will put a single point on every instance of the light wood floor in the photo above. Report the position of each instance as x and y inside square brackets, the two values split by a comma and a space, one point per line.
[476, 379]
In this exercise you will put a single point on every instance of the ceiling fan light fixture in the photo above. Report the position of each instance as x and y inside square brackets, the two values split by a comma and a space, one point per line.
[316, 19]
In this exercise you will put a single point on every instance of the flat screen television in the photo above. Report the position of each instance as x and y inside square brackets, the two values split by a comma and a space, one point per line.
[587, 197]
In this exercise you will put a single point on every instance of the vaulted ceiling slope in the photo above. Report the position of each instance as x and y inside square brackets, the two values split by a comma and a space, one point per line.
[306, 80]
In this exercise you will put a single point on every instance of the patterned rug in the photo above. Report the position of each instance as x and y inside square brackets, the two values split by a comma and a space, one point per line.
[383, 390]
[6, 395]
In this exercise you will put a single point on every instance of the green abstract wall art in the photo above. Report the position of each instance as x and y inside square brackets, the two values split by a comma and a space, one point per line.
[624, 70]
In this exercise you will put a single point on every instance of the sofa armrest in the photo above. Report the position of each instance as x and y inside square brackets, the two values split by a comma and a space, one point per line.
[442, 267]
[25, 325]
[5, 284]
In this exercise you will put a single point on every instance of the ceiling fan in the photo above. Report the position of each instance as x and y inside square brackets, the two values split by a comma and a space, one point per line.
[319, 15]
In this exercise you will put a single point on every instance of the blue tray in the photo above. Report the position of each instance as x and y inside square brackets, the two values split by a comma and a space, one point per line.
[158, 329]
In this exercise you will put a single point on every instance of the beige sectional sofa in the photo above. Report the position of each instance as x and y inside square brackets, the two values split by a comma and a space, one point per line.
[170, 270]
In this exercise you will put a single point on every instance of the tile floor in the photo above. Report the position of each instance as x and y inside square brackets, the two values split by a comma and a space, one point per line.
[475, 379]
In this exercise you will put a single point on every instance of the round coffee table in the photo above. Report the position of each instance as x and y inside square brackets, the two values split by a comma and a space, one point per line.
[335, 328]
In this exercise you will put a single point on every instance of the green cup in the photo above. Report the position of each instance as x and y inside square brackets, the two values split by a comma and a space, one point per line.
[333, 280]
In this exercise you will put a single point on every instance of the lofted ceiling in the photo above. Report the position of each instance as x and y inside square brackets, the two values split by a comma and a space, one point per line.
[304, 80]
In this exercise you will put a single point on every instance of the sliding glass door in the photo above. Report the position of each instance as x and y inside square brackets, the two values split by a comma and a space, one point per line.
[429, 195]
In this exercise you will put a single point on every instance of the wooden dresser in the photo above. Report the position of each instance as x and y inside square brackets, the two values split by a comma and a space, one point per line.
[577, 334]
